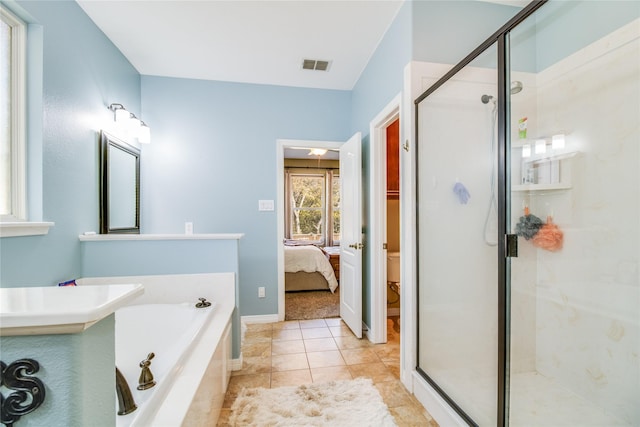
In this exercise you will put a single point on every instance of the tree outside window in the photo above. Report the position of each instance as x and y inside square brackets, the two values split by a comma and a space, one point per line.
[314, 207]
[307, 205]
[335, 207]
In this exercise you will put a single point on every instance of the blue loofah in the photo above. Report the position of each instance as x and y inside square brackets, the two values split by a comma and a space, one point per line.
[461, 192]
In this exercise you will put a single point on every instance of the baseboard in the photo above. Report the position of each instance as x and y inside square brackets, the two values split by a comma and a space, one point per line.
[236, 364]
[261, 318]
[367, 334]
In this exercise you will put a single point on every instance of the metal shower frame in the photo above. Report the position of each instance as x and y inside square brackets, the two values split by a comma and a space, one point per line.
[501, 36]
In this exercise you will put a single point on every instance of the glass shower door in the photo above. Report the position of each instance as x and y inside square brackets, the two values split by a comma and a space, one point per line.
[457, 240]
[575, 204]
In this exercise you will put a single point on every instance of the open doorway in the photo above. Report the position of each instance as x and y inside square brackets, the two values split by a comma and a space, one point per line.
[311, 233]
[347, 260]
[393, 225]
[386, 244]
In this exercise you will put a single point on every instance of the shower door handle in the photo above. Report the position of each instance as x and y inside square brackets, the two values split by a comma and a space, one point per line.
[511, 245]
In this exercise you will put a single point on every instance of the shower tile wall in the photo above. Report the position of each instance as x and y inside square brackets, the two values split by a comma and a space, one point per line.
[577, 310]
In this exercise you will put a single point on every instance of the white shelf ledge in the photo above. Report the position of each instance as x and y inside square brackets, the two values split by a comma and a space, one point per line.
[24, 228]
[540, 187]
[537, 158]
[60, 310]
[113, 237]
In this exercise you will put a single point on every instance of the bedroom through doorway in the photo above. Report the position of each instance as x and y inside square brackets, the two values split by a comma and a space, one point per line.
[311, 233]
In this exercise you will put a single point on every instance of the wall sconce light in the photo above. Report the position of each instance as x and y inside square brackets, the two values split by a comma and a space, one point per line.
[541, 146]
[130, 124]
[120, 114]
[144, 133]
[557, 142]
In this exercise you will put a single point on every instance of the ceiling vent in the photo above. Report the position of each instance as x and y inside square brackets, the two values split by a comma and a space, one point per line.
[314, 64]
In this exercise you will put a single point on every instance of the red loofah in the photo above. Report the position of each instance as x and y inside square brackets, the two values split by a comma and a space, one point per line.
[549, 237]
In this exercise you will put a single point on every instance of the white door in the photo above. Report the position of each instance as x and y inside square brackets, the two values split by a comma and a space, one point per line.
[351, 234]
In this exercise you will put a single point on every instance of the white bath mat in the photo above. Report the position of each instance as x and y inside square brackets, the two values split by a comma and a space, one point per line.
[335, 403]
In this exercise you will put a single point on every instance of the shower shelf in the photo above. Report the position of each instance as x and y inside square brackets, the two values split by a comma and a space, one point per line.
[541, 187]
[539, 159]
[551, 156]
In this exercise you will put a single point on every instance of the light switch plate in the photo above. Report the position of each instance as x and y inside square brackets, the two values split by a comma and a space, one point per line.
[265, 205]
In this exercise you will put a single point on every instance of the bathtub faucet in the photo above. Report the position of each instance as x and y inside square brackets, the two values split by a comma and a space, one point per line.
[126, 405]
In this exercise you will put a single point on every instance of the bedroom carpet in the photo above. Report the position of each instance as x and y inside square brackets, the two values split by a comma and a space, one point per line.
[334, 403]
[306, 305]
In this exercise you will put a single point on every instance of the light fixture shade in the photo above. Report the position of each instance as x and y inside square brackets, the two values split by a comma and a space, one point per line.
[557, 141]
[122, 116]
[541, 146]
[129, 126]
[526, 150]
[134, 124]
[317, 152]
[144, 134]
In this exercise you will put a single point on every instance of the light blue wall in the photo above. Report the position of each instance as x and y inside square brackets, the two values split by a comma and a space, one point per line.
[382, 79]
[213, 156]
[83, 73]
[447, 31]
[379, 83]
[155, 257]
[563, 27]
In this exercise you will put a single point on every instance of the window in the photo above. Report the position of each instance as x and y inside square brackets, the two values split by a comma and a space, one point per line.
[335, 207]
[12, 118]
[314, 206]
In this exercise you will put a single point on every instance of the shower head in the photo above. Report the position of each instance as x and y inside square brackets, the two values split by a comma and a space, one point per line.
[516, 87]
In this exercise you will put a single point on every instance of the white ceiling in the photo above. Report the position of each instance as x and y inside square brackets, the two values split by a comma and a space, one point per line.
[248, 41]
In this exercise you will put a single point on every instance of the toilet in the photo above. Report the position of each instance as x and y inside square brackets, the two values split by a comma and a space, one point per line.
[393, 268]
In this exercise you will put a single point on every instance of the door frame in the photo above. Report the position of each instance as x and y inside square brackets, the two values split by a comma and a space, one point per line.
[281, 144]
[378, 218]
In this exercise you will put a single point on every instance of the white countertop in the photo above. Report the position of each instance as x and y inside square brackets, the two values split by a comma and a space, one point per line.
[60, 310]
[112, 237]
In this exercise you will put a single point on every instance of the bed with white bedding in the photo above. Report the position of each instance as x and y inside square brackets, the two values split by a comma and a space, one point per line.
[307, 268]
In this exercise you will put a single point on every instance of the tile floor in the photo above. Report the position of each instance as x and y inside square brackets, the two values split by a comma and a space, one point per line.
[305, 351]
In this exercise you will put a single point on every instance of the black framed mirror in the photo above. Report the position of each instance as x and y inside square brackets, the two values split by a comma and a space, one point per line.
[119, 186]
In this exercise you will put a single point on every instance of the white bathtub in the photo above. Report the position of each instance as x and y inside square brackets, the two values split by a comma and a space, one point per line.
[192, 365]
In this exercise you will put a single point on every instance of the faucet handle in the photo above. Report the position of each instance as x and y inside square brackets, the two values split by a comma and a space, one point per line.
[146, 377]
[146, 362]
[203, 303]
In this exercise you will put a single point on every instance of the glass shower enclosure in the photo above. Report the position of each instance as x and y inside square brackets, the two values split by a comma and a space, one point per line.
[528, 221]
